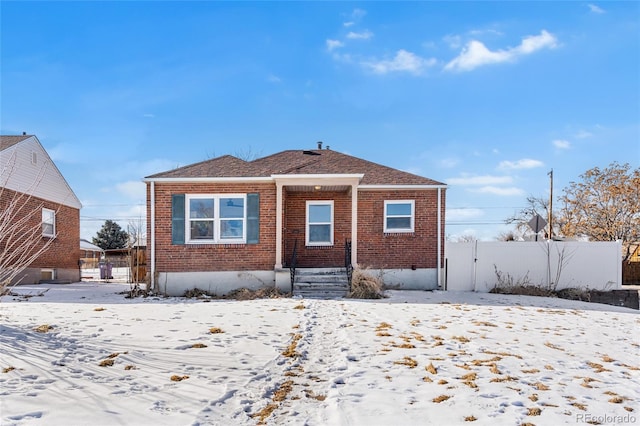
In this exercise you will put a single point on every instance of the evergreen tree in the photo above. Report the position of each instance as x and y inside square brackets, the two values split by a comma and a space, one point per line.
[111, 236]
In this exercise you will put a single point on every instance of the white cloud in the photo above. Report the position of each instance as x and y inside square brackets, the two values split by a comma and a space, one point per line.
[364, 35]
[595, 9]
[561, 144]
[133, 189]
[358, 13]
[404, 61]
[453, 40]
[496, 190]
[476, 54]
[149, 115]
[480, 180]
[463, 213]
[273, 79]
[334, 44]
[348, 24]
[583, 134]
[525, 163]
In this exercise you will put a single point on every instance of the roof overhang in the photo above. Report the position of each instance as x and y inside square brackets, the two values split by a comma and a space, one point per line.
[398, 187]
[230, 179]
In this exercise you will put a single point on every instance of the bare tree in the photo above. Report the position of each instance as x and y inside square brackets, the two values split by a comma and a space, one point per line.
[604, 206]
[535, 205]
[21, 227]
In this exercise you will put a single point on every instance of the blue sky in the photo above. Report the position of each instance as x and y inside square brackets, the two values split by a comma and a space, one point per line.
[487, 97]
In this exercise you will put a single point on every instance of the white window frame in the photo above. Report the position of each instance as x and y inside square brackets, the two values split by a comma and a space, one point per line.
[308, 224]
[217, 220]
[387, 216]
[49, 217]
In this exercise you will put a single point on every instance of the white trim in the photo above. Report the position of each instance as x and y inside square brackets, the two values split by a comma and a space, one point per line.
[50, 214]
[307, 224]
[398, 187]
[153, 236]
[216, 219]
[412, 218]
[320, 176]
[439, 236]
[230, 179]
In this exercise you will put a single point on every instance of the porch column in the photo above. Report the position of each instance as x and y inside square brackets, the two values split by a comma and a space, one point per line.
[278, 225]
[354, 224]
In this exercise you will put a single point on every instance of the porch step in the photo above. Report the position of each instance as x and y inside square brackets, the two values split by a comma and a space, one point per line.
[330, 283]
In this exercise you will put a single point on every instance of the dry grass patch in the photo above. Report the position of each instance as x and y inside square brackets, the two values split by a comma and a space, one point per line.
[470, 418]
[383, 334]
[484, 324]
[552, 346]
[461, 339]
[540, 386]
[300, 306]
[290, 351]
[502, 354]
[494, 368]
[310, 394]
[215, 330]
[130, 367]
[443, 382]
[198, 345]
[427, 379]
[106, 362]
[607, 358]
[365, 286]
[431, 368]
[99, 309]
[404, 345]
[176, 378]
[44, 328]
[504, 379]
[415, 322]
[531, 371]
[408, 361]
[441, 398]
[535, 411]
[549, 367]
[533, 397]
[383, 326]
[598, 368]
[579, 406]
[8, 369]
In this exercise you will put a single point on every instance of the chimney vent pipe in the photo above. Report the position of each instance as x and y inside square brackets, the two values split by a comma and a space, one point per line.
[319, 144]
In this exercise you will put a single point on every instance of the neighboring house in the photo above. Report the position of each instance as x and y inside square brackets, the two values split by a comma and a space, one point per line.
[90, 254]
[50, 203]
[226, 223]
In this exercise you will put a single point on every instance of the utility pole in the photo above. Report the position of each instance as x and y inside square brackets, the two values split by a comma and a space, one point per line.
[550, 204]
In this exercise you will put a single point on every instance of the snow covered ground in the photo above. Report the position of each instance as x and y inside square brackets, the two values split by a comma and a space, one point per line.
[82, 354]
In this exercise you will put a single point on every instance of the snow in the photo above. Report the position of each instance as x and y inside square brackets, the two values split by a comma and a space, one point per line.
[536, 360]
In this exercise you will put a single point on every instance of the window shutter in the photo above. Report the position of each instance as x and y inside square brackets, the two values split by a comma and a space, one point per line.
[253, 218]
[177, 219]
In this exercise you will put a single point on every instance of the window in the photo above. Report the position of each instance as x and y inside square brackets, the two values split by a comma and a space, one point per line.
[319, 223]
[399, 216]
[216, 218]
[48, 223]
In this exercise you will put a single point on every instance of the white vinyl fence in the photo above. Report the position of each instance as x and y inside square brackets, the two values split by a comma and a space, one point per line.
[477, 265]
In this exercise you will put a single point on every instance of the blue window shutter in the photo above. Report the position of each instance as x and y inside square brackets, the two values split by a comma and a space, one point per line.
[253, 218]
[177, 219]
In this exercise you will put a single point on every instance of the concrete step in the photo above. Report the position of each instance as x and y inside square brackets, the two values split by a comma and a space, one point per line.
[326, 283]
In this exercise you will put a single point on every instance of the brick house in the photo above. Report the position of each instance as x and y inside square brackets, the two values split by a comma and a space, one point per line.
[41, 195]
[226, 223]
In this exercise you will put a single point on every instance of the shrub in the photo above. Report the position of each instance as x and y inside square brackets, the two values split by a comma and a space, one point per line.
[365, 286]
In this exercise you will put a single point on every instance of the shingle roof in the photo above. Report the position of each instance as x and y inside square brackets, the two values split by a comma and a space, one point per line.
[298, 162]
[9, 141]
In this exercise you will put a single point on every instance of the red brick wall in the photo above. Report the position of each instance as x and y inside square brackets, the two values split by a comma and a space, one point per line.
[375, 249]
[64, 251]
[212, 257]
[402, 250]
[295, 229]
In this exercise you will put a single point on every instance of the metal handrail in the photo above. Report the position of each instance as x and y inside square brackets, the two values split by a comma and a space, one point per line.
[292, 264]
[347, 261]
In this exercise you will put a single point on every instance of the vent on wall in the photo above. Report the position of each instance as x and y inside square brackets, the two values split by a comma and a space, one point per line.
[34, 158]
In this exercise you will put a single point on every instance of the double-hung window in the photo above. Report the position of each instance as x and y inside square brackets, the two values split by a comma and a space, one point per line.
[399, 216]
[216, 218]
[319, 223]
[48, 223]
